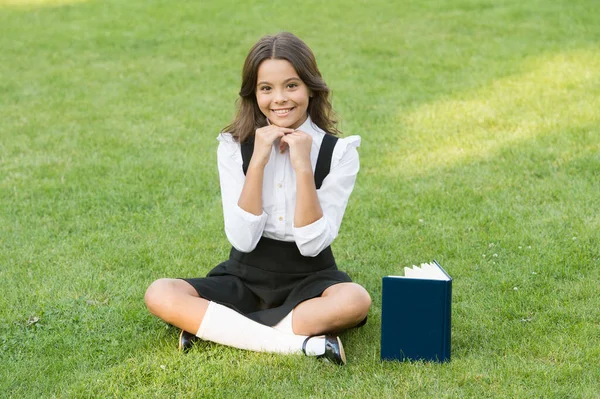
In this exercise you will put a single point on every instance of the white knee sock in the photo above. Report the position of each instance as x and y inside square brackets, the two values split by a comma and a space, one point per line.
[228, 327]
[285, 324]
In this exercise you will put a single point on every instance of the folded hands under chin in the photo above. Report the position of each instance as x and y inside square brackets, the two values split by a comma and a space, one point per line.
[300, 144]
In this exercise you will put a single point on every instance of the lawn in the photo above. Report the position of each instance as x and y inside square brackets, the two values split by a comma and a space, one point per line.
[480, 123]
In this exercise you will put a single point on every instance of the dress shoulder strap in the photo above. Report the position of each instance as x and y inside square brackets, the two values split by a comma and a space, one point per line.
[247, 150]
[323, 160]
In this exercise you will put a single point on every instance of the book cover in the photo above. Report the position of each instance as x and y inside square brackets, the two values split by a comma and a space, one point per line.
[416, 314]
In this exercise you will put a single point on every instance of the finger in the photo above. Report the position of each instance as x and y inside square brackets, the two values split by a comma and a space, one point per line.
[294, 137]
[288, 138]
[284, 129]
[273, 128]
[282, 146]
[284, 140]
[270, 135]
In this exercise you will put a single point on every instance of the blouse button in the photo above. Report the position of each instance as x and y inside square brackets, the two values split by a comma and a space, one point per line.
[280, 218]
[280, 185]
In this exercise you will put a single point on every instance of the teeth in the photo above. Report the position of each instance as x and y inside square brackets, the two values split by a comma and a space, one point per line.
[282, 111]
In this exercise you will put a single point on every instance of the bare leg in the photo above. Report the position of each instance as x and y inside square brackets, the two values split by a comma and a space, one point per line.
[176, 302]
[341, 306]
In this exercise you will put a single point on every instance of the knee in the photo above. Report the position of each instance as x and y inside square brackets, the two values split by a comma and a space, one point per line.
[158, 296]
[356, 304]
[360, 302]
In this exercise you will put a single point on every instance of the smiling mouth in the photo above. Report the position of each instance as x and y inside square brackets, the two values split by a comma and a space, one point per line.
[282, 111]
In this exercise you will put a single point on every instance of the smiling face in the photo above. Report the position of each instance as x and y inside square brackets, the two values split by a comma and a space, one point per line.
[281, 95]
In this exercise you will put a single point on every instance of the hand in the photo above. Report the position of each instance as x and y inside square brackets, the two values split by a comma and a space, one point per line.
[263, 142]
[300, 144]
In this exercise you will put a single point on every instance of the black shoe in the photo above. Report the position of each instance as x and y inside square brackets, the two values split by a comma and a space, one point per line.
[334, 350]
[186, 341]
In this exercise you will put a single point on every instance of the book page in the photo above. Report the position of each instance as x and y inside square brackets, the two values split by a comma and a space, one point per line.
[425, 271]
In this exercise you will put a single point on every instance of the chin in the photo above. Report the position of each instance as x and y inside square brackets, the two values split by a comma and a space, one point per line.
[284, 123]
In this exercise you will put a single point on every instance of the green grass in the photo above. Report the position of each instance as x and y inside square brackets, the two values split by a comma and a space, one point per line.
[481, 148]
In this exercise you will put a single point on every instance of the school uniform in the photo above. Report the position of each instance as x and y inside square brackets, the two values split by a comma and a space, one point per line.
[274, 265]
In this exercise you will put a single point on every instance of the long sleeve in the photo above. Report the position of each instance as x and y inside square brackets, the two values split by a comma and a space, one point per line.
[242, 228]
[333, 197]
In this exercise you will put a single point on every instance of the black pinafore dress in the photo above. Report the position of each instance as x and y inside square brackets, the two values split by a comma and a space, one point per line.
[267, 283]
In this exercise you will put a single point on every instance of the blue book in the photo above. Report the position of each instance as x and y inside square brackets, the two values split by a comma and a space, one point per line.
[416, 314]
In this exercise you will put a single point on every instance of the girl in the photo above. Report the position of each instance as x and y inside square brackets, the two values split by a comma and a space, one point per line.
[285, 182]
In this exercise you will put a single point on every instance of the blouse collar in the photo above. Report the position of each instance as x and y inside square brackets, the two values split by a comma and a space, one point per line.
[309, 127]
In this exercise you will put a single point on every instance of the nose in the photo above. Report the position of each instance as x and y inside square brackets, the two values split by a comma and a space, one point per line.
[280, 97]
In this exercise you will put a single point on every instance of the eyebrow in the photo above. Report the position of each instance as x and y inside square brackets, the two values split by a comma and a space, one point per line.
[285, 81]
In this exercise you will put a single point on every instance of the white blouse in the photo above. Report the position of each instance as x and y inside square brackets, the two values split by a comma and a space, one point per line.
[244, 229]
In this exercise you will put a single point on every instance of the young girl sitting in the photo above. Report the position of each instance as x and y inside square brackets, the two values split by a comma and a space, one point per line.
[285, 182]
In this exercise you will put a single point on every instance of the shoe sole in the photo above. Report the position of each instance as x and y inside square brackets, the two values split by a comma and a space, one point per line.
[180, 347]
[342, 353]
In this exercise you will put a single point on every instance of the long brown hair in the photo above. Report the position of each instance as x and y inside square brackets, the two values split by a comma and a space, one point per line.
[282, 46]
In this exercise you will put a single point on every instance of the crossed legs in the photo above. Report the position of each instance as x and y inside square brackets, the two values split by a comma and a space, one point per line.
[341, 306]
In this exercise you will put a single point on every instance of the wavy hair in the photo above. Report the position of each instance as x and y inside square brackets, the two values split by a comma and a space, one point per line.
[282, 46]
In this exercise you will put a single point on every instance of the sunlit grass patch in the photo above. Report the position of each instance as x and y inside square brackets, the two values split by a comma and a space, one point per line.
[556, 92]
